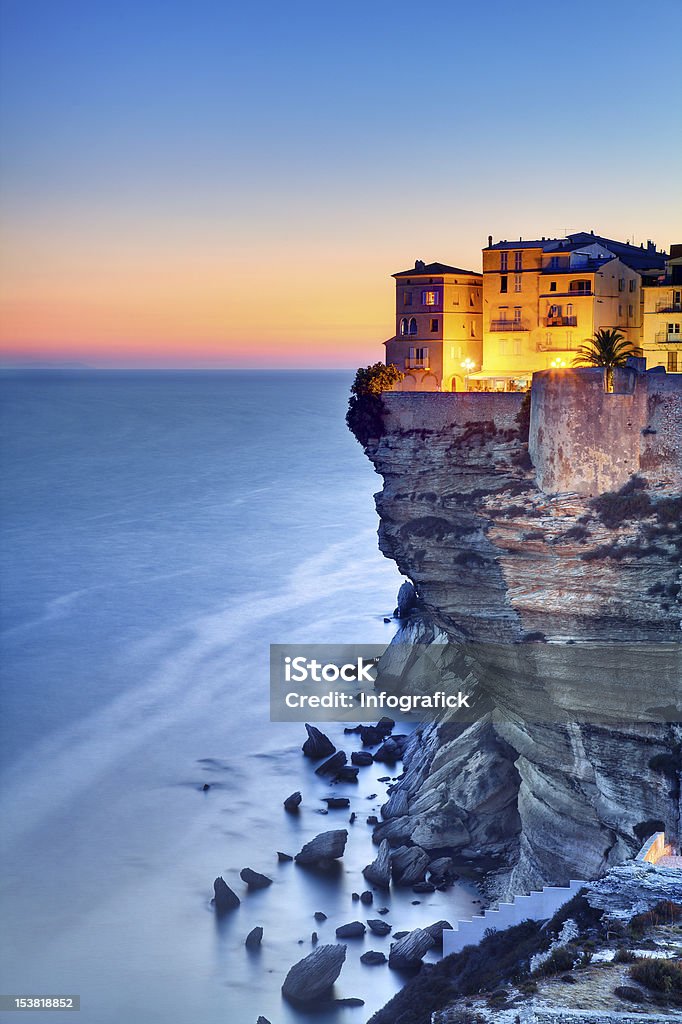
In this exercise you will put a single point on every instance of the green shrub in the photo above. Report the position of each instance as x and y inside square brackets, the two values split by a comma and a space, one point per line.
[365, 408]
[559, 960]
[625, 956]
[660, 976]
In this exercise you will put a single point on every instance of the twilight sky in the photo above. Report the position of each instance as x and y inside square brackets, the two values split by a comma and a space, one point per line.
[212, 183]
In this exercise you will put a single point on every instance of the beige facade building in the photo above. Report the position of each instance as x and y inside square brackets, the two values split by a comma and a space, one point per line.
[544, 298]
[662, 316]
[438, 331]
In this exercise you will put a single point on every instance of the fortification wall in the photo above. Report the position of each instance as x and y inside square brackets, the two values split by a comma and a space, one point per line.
[586, 440]
[419, 410]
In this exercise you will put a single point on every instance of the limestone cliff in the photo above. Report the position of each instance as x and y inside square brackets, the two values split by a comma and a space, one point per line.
[579, 595]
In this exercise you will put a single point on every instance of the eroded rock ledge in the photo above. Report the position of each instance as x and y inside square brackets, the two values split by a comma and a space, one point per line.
[495, 559]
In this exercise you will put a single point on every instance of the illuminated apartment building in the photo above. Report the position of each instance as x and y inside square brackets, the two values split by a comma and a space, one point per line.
[438, 337]
[543, 298]
[662, 316]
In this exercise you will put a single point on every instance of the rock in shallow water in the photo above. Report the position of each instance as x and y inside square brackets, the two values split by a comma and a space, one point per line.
[317, 745]
[354, 930]
[225, 899]
[407, 599]
[312, 978]
[323, 848]
[254, 879]
[373, 958]
[407, 952]
[332, 765]
[254, 938]
[408, 865]
[379, 927]
[379, 871]
[293, 802]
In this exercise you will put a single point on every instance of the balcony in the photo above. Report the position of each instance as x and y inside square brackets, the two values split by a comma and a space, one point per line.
[417, 364]
[666, 306]
[508, 325]
[666, 338]
[561, 321]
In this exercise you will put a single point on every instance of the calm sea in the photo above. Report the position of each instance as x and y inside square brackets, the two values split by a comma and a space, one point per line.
[160, 530]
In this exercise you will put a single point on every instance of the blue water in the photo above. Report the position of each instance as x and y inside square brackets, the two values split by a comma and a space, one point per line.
[160, 530]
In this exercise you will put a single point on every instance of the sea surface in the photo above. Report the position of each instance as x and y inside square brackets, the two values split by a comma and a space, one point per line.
[160, 530]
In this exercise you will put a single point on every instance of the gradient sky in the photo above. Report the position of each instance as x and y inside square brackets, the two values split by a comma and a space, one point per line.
[207, 183]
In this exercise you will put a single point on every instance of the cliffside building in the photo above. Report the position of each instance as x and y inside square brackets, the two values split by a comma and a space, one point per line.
[662, 316]
[438, 334]
[544, 298]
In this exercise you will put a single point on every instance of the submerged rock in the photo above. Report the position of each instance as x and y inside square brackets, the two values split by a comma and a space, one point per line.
[336, 802]
[366, 897]
[254, 938]
[254, 879]
[317, 745]
[325, 847]
[407, 952]
[347, 773]
[379, 871]
[312, 978]
[283, 858]
[225, 899]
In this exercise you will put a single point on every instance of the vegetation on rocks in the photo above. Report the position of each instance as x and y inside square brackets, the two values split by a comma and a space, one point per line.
[365, 410]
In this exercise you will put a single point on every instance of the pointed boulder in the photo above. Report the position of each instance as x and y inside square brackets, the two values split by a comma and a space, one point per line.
[326, 847]
[312, 978]
[225, 899]
[379, 871]
[317, 745]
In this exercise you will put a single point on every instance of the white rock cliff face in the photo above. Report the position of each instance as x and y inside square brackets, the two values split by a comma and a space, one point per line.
[575, 747]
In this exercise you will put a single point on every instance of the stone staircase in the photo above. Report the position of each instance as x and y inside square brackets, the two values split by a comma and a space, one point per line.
[538, 906]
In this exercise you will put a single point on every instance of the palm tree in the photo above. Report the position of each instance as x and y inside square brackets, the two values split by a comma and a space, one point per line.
[608, 348]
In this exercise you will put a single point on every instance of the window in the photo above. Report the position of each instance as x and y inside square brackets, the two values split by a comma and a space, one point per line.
[502, 346]
[419, 358]
[554, 311]
[407, 299]
[516, 348]
[429, 298]
[633, 285]
[621, 284]
[517, 314]
[620, 309]
[631, 310]
[504, 257]
[673, 328]
[554, 263]
[403, 326]
[472, 330]
[472, 301]
[503, 283]
[434, 324]
[583, 287]
[552, 286]
[518, 260]
[517, 282]
[672, 362]
[413, 325]
[569, 309]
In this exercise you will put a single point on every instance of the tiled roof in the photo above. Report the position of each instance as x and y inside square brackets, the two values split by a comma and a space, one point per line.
[635, 256]
[431, 269]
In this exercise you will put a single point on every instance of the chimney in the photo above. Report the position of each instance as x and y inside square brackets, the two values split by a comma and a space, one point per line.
[490, 241]
[651, 246]
[419, 264]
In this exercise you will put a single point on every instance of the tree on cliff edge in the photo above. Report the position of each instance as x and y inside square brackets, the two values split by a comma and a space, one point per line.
[364, 416]
[608, 348]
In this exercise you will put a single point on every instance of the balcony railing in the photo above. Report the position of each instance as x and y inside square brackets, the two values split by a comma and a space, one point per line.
[417, 364]
[666, 338]
[668, 307]
[507, 325]
[561, 321]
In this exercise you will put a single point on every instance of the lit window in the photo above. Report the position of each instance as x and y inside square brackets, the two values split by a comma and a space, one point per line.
[429, 298]
[434, 324]
[569, 309]
[403, 326]
[472, 330]
[413, 325]
[518, 260]
[517, 282]
[472, 301]
[503, 283]
[583, 287]
[504, 257]
[672, 362]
